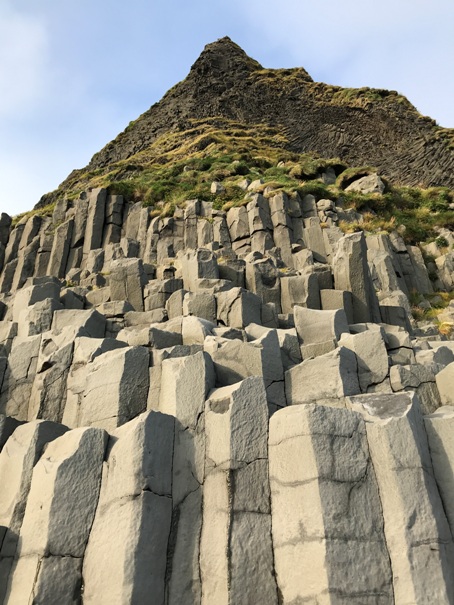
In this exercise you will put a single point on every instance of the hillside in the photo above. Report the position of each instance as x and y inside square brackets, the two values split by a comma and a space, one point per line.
[359, 126]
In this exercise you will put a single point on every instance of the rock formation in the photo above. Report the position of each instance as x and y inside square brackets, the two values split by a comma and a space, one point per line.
[224, 406]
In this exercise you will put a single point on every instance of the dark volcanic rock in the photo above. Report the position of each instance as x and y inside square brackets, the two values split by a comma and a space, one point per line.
[360, 126]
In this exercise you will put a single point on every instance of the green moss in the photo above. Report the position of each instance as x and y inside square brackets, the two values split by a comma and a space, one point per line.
[44, 211]
[351, 174]
[316, 188]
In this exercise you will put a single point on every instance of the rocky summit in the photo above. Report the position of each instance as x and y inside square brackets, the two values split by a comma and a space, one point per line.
[226, 355]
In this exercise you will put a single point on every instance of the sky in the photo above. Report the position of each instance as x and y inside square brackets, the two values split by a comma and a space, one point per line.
[74, 73]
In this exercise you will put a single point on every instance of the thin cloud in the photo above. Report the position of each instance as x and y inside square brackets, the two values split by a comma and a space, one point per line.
[23, 61]
[69, 85]
[400, 45]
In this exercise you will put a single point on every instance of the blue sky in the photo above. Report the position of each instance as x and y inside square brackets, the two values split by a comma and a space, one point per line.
[73, 73]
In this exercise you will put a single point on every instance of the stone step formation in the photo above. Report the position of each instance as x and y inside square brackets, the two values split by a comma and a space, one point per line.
[221, 407]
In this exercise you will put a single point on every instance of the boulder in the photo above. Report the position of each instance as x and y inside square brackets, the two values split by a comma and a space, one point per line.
[319, 331]
[371, 183]
[325, 380]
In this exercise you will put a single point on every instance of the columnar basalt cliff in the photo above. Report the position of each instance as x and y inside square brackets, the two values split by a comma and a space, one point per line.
[233, 401]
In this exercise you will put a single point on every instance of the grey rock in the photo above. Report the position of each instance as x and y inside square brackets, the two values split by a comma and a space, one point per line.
[133, 517]
[18, 380]
[315, 327]
[351, 273]
[417, 533]
[195, 330]
[126, 281]
[200, 304]
[199, 264]
[59, 514]
[7, 427]
[95, 220]
[186, 382]
[371, 355]
[238, 308]
[326, 508]
[445, 384]
[60, 249]
[367, 184]
[302, 290]
[439, 427]
[124, 396]
[325, 380]
[238, 224]
[17, 459]
[314, 240]
[83, 323]
[235, 360]
[236, 534]
[262, 278]
[5, 226]
[337, 299]
[37, 318]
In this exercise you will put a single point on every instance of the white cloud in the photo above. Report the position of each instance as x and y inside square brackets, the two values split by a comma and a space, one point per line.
[23, 60]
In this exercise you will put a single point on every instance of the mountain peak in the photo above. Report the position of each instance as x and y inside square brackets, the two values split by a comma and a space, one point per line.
[359, 126]
[224, 57]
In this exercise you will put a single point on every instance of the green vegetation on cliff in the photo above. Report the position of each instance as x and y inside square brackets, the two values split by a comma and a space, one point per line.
[182, 165]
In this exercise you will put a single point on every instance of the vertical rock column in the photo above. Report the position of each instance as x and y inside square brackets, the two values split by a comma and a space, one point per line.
[17, 459]
[60, 249]
[236, 557]
[125, 560]
[59, 514]
[95, 220]
[127, 279]
[351, 273]
[185, 383]
[328, 538]
[116, 388]
[440, 432]
[416, 529]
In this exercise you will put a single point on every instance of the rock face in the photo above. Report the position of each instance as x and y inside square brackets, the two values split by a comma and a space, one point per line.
[222, 406]
[326, 509]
